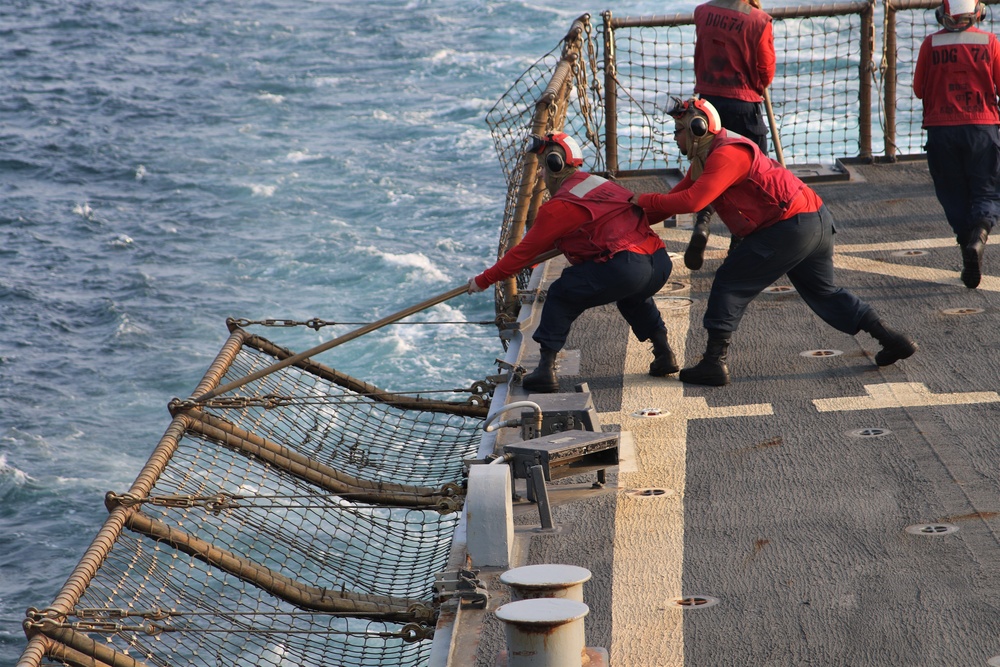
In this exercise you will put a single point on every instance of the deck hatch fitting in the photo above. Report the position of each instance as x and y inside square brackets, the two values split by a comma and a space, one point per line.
[821, 353]
[963, 311]
[909, 253]
[779, 289]
[651, 412]
[649, 493]
[673, 302]
[872, 432]
[694, 602]
[673, 286]
[932, 529]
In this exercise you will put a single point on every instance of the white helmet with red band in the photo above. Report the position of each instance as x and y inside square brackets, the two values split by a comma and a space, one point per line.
[957, 15]
[704, 118]
[572, 154]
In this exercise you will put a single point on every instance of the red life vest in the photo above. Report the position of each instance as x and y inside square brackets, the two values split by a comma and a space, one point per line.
[762, 198]
[959, 87]
[614, 224]
[728, 33]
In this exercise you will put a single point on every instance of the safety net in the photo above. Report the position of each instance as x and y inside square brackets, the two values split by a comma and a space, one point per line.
[299, 519]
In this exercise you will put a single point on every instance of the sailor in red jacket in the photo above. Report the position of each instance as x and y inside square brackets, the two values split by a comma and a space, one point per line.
[786, 229]
[958, 76]
[734, 63]
[614, 257]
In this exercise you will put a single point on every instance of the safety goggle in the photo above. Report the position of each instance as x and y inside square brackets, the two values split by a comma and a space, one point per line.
[679, 107]
[538, 143]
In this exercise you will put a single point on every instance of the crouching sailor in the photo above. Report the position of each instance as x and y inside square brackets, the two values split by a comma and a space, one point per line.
[958, 76]
[786, 229]
[614, 257]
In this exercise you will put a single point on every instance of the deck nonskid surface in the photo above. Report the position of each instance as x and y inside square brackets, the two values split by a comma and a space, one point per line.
[828, 511]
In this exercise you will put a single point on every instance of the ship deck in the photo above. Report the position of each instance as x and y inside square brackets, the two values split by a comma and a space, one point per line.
[826, 511]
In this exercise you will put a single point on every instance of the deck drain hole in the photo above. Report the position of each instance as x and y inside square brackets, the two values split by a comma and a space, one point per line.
[932, 529]
[779, 289]
[651, 412]
[869, 432]
[909, 253]
[650, 493]
[821, 353]
[962, 311]
[694, 602]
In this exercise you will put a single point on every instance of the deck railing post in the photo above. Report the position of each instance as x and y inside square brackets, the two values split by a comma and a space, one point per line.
[865, 84]
[889, 48]
[610, 98]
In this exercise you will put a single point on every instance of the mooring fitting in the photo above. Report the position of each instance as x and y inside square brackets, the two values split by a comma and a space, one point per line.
[544, 632]
[546, 581]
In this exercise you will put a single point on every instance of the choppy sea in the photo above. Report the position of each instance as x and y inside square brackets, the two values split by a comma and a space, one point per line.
[167, 164]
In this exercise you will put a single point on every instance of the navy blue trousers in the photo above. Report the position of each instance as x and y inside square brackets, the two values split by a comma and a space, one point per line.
[744, 118]
[802, 248]
[964, 161]
[628, 280]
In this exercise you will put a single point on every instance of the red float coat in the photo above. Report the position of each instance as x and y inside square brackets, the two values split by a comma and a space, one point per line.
[957, 76]
[749, 190]
[588, 219]
[733, 51]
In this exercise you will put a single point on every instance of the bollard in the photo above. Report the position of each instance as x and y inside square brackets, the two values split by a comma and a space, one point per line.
[546, 581]
[544, 632]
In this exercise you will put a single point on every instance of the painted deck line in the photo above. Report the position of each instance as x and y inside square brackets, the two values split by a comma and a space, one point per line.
[902, 395]
[844, 261]
[649, 531]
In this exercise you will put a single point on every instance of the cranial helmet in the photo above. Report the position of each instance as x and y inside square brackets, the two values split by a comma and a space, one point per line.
[958, 15]
[570, 154]
[699, 120]
[696, 115]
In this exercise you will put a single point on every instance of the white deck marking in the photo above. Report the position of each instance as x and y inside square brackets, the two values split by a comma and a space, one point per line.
[649, 531]
[842, 260]
[902, 395]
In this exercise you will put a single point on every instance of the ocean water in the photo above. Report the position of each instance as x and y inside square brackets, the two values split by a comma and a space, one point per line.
[167, 164]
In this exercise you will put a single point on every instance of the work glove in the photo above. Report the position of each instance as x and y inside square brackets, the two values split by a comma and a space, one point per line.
[473, 287]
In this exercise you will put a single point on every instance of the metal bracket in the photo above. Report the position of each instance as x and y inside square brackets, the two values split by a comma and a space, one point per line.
[531, 296]
[462, 584]
[512, 370]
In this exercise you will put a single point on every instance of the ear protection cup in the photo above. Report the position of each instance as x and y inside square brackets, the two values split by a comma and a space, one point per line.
[699, 127]
[554, 162]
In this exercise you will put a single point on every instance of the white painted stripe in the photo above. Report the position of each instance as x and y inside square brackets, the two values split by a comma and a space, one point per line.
[649, 531]
[902, 395]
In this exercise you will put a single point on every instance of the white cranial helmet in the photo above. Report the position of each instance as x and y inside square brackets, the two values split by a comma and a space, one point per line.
[957, 15]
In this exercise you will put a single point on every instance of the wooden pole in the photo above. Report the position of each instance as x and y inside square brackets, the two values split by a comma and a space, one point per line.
[774, 127]
[368, 328]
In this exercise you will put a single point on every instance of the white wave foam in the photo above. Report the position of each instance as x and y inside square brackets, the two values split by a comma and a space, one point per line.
[19, 477]
[263, 190]
[425, 269]
[271, 97]
[83, 210]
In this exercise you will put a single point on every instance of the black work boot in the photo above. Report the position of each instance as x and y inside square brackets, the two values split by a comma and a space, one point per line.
[694, 256]
[664, 361]
[895, 345]
[972, 256]
[712, 369]
[543, 379]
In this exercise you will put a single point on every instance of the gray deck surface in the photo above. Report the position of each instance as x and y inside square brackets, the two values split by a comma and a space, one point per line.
[790, 516]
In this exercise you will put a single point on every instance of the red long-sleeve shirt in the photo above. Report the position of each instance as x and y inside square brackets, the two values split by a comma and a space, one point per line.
[725, 167]
[555, 219]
